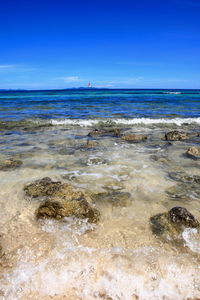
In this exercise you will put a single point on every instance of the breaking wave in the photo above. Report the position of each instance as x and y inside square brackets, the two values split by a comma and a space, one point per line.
[30, 124]
[136, 121]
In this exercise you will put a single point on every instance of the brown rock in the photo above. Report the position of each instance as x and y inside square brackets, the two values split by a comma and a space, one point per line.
[91, 144]
[60, 208]
[10, 164]
[193, 152]
[61, 200]
[176, 136]
[134, 138]
[173, 222]
[42, 187]
[105, 132]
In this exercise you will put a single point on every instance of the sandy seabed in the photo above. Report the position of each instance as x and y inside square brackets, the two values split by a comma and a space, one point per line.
[119, 258]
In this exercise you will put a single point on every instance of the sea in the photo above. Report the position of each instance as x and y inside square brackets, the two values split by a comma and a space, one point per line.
[120, 257]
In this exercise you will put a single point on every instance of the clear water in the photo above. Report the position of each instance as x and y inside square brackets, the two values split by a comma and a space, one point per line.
[92, 104]
[119, 258]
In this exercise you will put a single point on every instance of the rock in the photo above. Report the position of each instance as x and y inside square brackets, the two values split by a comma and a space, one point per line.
[60, 208]
[10, 164]
[105, 132]
[96, 161]
[184, 191]
[42, 187]
[116, 198]
[176, 136]
[180, 215]
[91, 144]
[183, 177]
[61, 200]
[134, 138]
[161, 159]
[193, 152]
[172, 223]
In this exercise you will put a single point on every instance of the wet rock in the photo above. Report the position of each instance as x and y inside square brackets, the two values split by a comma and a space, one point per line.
[161, 159]
[183, 177]
[91, 144]
[176, 136]
[60, 208]
[115, 132]
[42, 187]
[173, 222]
[193, 152]
[61, 200]
[134, 138]
[96, 161]
[66, 151]
[10, 164]
[116, 198]
[180, 215]
[184, 191]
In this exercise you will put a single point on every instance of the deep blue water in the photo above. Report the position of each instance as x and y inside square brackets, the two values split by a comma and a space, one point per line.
[97, 104]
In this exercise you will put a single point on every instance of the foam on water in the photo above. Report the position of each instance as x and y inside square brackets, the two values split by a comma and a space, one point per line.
[190, 236]
[109, 122]
[105, 274]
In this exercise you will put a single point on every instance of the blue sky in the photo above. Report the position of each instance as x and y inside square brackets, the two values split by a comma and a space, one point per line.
[117, 44]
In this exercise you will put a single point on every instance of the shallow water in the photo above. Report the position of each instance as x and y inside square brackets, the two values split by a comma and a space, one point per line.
[119, 257]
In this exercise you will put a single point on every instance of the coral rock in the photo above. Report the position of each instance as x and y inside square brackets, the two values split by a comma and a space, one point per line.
[193, 152]
[10, 164]
[176, 136]
[134, 138]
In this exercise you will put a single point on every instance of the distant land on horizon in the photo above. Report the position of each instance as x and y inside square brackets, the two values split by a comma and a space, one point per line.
[95, 88]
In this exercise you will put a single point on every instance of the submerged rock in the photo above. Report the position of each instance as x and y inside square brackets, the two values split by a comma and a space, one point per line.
[61, 200]
[105, 132]
[42, 187]
[134, 138]
[176, 136]
[173, 222]
[180, 215]
[193, 152]
[183, 177]
[96, 161]
[10, 164]
[163, 159]
[91, 144]
[116, 198]
[60, 208]
[184, 191]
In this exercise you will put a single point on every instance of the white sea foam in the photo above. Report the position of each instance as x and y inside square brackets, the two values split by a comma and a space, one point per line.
[92, 278]
[135, 121]
[173, 93]
[190, 236]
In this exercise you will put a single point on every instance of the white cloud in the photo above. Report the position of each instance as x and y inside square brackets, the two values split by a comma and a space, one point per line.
[130, 80]
[139, 63]
[6, 67]
[18, 68]
[71, 79]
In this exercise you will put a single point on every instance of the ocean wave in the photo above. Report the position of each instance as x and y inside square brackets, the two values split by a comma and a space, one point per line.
[118, 122]
[173, 93]
[30, 124]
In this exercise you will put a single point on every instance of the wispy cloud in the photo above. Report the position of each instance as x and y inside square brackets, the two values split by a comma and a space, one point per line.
[16, 68]
[69, 79]
[139, 63]
[130, 80]
[7, 67]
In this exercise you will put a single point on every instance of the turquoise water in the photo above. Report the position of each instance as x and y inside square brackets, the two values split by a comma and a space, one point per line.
[48, 134]
[97, 104]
